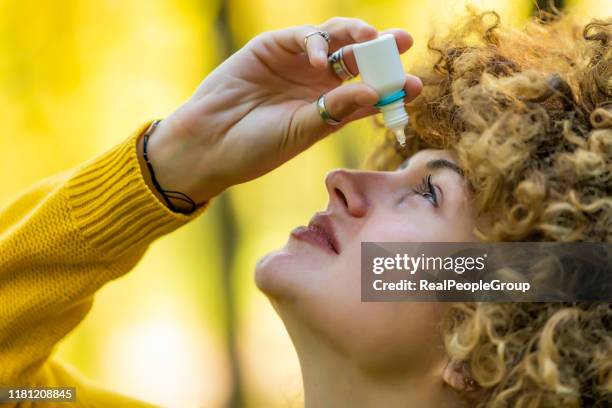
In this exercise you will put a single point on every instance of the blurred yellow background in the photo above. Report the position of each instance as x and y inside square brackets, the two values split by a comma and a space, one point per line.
[187, 326]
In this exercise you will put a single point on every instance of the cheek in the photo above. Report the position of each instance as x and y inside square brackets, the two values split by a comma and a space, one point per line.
[419, 224]
[416, 227]
[375, 334]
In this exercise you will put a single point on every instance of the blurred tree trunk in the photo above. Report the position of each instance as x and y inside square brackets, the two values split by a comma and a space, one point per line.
[227, 234]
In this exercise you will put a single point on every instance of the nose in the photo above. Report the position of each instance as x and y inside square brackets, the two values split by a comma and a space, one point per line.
[346, 192]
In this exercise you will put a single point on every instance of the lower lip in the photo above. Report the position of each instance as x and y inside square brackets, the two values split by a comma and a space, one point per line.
[314, 237]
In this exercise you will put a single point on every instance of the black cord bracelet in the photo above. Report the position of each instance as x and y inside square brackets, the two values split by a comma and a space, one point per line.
[166, 194]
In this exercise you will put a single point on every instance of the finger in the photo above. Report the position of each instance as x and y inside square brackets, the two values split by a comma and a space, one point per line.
[344, 100]
[317, 50]
[413, 87]
[342, 31]
[402, 39]
[340, 103]
[346, 30]
[292, 39]
[362, 113]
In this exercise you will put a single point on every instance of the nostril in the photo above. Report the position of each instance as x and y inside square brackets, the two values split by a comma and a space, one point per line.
[340, 195]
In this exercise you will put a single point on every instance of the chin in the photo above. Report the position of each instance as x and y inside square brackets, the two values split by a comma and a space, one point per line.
[282, 272]
[275, 272]
[267, 271]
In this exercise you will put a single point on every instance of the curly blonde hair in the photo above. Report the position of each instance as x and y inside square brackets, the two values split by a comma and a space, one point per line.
[528, 114]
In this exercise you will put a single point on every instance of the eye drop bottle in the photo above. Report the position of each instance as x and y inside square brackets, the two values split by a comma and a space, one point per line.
[380, 67]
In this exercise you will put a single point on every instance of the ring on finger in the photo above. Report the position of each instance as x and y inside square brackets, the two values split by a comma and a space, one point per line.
[323, 34]
[324, 113]
[336, 60]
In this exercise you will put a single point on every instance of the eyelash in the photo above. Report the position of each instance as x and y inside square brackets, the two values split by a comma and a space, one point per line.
[427, 190]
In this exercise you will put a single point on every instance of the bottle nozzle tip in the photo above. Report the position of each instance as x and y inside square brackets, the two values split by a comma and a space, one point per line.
[401, 137]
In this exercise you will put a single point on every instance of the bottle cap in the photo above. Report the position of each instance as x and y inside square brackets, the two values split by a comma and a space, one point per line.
[394, 115]
[387, 99]
[396, 119]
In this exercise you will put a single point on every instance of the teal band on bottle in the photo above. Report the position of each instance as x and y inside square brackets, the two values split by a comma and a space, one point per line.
[397, 95]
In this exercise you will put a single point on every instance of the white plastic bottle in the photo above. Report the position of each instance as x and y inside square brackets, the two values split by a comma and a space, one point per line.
[380, 67]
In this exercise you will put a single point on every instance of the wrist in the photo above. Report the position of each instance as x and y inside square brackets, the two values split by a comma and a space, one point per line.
[174, 199]
[146, 175]
[174, 175]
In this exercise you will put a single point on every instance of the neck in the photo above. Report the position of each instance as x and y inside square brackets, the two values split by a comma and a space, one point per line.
[332, 380]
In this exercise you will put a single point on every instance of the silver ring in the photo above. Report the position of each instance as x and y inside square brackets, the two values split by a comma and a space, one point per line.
[336, 60]
[324, 113]
[323, 34]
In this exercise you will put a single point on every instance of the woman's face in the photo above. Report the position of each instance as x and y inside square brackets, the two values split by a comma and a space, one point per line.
[314, 281]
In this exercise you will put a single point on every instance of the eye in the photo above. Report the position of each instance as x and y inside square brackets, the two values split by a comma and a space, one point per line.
[427, 190]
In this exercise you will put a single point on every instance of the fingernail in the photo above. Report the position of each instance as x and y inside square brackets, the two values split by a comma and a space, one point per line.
[322, 55]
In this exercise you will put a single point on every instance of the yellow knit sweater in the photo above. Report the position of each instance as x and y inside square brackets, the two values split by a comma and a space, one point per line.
[60, 241]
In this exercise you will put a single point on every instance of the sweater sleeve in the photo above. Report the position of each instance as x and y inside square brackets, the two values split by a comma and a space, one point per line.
[60, 241]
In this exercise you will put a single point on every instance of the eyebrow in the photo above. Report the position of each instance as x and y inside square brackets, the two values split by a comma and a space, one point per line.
[438, 164]
[444, 164]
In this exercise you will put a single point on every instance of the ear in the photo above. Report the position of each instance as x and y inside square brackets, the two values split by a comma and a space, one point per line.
[456, 374]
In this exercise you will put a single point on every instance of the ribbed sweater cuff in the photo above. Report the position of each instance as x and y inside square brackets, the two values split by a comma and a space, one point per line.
[113, 206]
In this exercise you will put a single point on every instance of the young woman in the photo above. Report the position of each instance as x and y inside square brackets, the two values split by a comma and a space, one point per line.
[510, 140]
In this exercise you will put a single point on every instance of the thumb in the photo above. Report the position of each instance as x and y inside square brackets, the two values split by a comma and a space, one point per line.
[341, 103]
